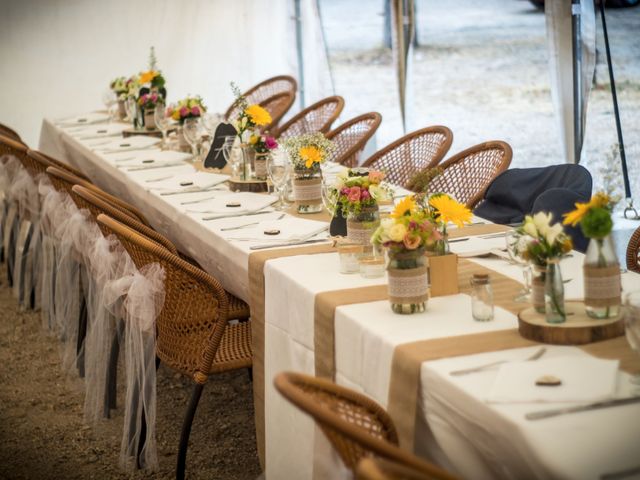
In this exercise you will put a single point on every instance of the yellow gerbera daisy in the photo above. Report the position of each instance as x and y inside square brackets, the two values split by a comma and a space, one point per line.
[258, 115]
[450, 210]
[406, 206]
[575, 216]
[146, 77]
[310, 155]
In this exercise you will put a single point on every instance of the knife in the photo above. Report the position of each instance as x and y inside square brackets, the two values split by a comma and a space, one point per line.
[581, 408]
[289, 244]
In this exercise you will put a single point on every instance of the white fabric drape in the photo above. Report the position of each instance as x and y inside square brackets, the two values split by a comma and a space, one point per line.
[559, 43]
[201, 46]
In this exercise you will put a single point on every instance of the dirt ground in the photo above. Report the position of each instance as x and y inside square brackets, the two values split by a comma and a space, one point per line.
[43, 435]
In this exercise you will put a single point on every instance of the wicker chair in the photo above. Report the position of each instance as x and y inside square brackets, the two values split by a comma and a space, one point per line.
[64, 181]
[194, 336]
[371, 468]
[277, 106]
[356, 426]
[10, 132]
[315, 118]
[405, 157]
[264, 91]
[11, 146]
[467, 175]
[633, 252]
[351, 137]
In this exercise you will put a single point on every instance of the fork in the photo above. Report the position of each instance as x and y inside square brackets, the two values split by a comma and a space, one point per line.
[487, 366]
[248, 224]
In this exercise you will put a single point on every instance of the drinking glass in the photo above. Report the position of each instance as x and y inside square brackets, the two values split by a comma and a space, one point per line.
[109, 99]
[230, 154]
[191, 131]
[131, 109]
[511, 241]
[210, 122]
[279, 168]
[329, 195]
[632, 326]
[162, 122]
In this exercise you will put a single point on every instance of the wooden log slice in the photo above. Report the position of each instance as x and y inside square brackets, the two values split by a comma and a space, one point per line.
[257, 186]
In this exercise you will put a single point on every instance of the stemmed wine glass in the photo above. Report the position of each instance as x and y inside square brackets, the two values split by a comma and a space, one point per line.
[230, 155]
[191, 131]
[511, 243]
[279, 168]
[632, 327]
[329, 195]
[131, 109]
[109, 99]
[162, 122]
[210, 122]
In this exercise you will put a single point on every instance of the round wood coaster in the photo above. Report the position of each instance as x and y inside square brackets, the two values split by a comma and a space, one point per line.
[577, 330]
[253, 185]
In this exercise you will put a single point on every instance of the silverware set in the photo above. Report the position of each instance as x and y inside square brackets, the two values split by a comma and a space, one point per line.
[487, 366]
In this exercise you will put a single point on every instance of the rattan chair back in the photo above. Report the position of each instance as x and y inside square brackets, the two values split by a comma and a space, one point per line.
[193, 320]
[11, 146]
[40, 162]
[64, 181]
[10, 132]
[633, 252]
[84, 198]
[315, 118]
[467, 175]
[351, 137]
[355, 425]
[277, 106]
[371, 468]
[265, 90]
[414, 152]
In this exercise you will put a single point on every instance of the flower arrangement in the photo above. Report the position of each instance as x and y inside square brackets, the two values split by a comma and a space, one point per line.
[420, 181]
[148, 101]
[358, 189]
[308, 151]
[537, 240]
[594, 216]
[410, 227]
[262, 143]
[250, 116]
[189, 107]
[124, 87]
[447, 209]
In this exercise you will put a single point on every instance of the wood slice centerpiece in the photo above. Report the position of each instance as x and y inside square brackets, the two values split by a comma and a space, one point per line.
[577, 330]
[250, 185]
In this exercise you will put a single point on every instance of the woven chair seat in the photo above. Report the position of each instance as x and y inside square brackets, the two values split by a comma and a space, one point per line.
[237, 308]
[633, 252]
[235, 348]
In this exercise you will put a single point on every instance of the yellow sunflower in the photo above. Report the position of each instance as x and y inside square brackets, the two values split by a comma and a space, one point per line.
[258, 115]
[406, 206]
[146, 77]
[575, 216]
[449, 210]
[310, 155]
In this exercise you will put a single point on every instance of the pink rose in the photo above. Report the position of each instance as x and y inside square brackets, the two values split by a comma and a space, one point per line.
[354, 194]
[345, 191]
[270, 143]
[365, 194]
[184, 111]
[376, 177]
[154, 97]
[195, 111]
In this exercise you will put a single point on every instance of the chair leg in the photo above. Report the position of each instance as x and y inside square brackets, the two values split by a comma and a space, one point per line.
[112, 373]
[186, 430]
[82, 333]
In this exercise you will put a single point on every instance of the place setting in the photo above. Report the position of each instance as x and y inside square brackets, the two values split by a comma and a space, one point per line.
[122, 144]
[231, 205]
[84, 119]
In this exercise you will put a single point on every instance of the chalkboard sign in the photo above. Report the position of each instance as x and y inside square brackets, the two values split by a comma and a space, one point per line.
[215, 157]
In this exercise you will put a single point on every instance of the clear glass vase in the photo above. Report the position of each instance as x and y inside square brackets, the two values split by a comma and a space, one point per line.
[554, 293]
[408, 281]
[602, 288]
[361, 225]
[307, 190]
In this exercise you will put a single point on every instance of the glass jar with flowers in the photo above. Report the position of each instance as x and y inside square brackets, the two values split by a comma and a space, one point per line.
[602, 284]
[307, 153]
[262, 146]
[406, 235]
[120, 89]
[358, 192]
[543, 244]
[189, 107]
[446, 209]
[247, 124]
[147, 103]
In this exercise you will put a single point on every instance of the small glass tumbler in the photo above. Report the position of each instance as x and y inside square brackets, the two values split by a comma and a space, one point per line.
[349, 258]
[372, 267]
[481, 298]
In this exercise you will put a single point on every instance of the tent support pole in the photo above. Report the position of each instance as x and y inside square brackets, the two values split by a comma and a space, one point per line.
[298, 18]
[576, 44]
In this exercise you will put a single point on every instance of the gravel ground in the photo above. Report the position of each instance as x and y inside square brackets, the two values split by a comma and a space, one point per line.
[43, 436]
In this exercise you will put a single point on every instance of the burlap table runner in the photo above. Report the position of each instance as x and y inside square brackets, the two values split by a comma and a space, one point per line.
[408, 358]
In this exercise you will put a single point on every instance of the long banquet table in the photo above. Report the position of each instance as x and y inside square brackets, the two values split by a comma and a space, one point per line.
[319, 321]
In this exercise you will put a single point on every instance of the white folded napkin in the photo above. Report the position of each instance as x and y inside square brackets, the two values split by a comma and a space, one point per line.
[136, 142]
[98, 131]
[584, 379]
[477, 247]
[290, 229]
[186, 182]
[153, 159]
[84, 119]
[248, 202]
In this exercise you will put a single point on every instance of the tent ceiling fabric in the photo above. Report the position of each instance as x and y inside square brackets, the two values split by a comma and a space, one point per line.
[558, 15]
[60, 55]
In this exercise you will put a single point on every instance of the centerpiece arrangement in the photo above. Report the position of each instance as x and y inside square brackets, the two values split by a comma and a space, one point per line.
[183, 110]
[307, 153]
[602, 284]
[407, 235]
[147, 102]
[358, 192]
[262, 146]
[445, 210]
[543, 243]
[123, 88]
